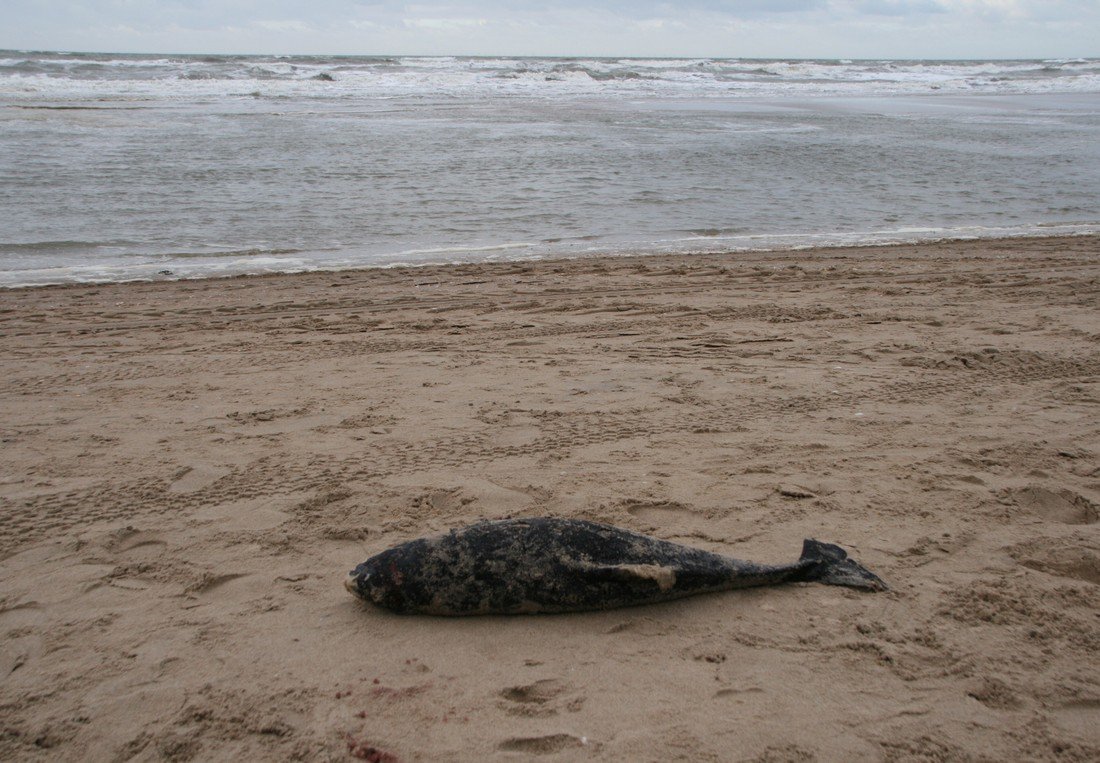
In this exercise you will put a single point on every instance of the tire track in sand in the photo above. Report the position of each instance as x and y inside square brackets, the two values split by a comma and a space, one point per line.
[34, 518]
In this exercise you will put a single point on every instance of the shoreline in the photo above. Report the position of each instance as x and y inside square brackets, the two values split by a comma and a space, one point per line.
[191, 467]
[626, 255]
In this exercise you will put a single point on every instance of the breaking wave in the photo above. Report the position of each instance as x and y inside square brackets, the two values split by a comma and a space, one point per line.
[84, 74]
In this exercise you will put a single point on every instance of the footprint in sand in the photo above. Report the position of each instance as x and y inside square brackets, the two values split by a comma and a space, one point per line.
[143, 560]
[1078, 717]
[129, 539]
[1062, 505]
[208, 582]
[539, 692]
[542, 745]
[661, 514]
[541, 698]
[189, 479]
[995, 693]
[1064, 557]
[672, 520]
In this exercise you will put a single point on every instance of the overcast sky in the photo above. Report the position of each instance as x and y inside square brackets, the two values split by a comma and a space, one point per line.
[736, 28]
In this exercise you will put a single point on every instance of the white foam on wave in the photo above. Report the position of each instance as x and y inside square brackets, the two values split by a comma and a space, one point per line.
[467, 249]
[358, 78]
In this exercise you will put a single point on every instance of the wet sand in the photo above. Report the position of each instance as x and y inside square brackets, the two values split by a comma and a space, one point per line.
[189, 469]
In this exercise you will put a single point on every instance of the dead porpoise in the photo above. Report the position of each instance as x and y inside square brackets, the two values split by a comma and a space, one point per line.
[543, 564]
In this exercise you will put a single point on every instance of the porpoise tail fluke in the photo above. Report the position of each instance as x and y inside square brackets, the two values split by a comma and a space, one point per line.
[833, 567]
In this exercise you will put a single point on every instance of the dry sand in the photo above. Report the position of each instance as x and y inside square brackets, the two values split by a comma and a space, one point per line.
[190, 468]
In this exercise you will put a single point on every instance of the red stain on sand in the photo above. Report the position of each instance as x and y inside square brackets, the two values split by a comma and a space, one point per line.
[364, 750]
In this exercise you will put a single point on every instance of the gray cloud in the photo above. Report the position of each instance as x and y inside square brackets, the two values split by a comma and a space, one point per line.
[765, 28]
[900, 7]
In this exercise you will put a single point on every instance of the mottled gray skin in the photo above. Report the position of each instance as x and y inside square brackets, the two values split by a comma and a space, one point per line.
[542, 564]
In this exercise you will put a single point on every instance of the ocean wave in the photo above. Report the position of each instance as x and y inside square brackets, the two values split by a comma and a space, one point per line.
[35, 247]
[106, 75]
[122, 248]
[251, 252]
[603, 74]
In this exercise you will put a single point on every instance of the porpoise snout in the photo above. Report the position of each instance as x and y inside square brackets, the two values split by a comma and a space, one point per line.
[351, 582]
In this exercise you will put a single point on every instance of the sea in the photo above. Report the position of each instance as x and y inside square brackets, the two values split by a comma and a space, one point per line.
[118, 167]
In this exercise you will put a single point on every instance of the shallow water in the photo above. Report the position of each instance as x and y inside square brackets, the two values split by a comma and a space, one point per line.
[120, 167]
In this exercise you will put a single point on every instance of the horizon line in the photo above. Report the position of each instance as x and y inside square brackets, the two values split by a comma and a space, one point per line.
[544, 56]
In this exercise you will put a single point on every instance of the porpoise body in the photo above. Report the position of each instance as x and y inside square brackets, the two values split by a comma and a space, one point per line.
[548, 565]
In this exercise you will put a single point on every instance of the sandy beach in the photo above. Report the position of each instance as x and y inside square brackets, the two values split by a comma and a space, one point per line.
[190, 468]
